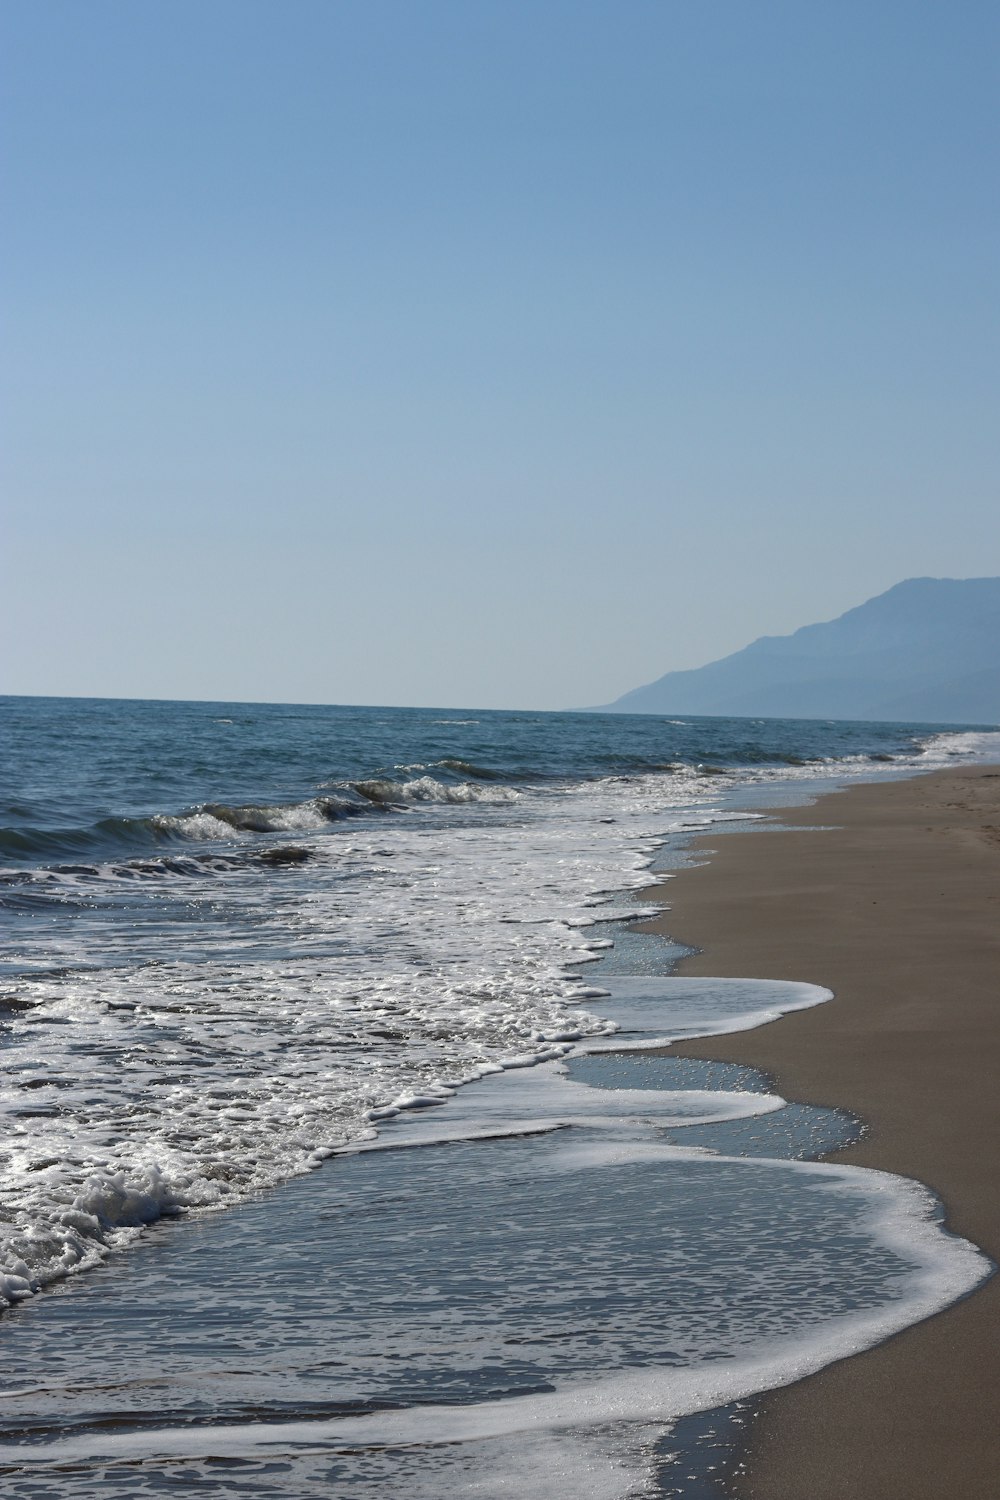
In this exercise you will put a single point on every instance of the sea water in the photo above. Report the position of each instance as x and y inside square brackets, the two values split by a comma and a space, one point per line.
[240, 940]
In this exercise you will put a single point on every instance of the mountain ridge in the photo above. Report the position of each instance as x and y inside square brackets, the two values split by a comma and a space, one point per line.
[927, 649]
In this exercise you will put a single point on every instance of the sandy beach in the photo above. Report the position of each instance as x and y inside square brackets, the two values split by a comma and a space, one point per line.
[896, 908]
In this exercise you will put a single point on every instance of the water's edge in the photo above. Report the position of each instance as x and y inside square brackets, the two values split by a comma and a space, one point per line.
[704, 1449]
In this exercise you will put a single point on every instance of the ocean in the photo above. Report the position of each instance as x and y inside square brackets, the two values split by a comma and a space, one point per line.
[338, 1158]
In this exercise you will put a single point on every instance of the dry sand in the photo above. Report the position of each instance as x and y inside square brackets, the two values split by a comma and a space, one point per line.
[897, 910]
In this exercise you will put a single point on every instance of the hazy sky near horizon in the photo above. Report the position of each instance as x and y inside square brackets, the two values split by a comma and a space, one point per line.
[485, 353]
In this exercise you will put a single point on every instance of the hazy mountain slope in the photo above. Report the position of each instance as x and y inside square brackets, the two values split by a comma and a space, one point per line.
[927, 649]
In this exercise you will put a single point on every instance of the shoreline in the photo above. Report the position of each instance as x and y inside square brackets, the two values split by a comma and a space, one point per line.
[896, 908]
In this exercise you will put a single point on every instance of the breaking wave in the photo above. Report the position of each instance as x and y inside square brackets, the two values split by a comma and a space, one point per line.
[220, 820]
[211, 820]
[215, 820]
[385, 792]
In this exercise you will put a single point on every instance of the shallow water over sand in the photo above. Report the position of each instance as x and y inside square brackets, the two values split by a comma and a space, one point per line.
[440, 1315]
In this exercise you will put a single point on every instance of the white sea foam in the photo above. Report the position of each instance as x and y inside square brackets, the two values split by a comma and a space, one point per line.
[218, 822]
[401, 955]
[195, 825]
[973, 745]
[429, 789]
[544, 1098]
[585, 1431]
[301, 1005]
[650, 1012]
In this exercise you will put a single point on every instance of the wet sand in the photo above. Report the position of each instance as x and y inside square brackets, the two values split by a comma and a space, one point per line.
[897, 910]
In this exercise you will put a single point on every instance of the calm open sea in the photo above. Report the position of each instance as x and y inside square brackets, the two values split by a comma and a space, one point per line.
[240, 940]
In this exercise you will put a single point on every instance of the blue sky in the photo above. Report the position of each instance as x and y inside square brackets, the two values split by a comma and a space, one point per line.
[486, 353]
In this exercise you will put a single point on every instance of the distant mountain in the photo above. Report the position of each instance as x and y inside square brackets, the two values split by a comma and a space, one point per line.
[927, 650]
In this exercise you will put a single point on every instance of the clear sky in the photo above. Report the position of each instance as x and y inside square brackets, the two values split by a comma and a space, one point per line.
[485, 352]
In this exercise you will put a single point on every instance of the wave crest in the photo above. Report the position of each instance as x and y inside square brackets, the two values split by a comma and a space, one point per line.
[387, 793]
[216, 820]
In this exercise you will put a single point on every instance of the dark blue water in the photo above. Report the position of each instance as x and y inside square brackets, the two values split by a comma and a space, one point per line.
[92, 776]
